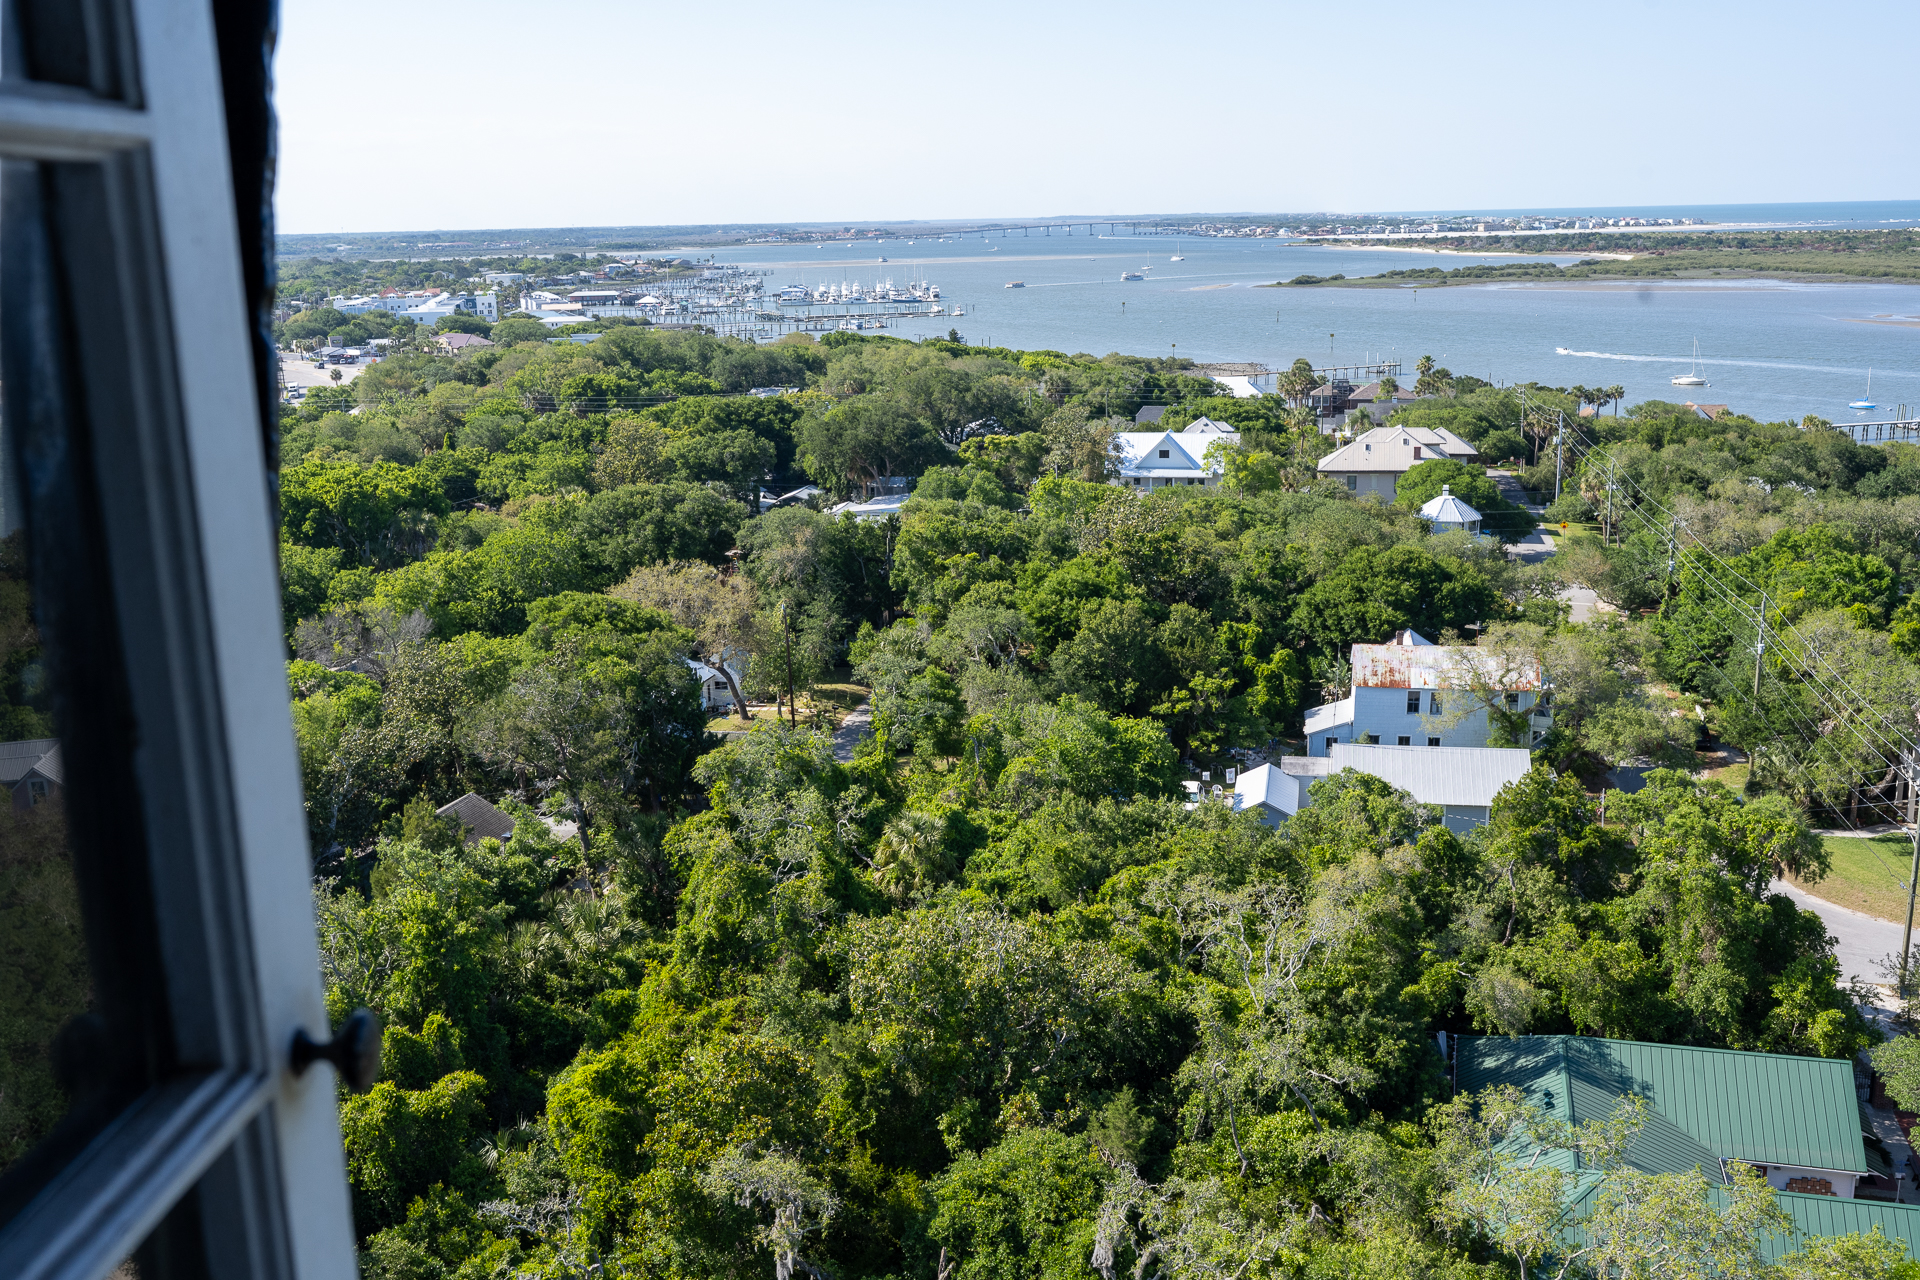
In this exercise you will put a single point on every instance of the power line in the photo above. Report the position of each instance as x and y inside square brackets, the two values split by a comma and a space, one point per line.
[1846, 703]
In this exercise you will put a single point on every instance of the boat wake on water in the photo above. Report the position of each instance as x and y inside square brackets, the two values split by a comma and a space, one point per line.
[1747, 364]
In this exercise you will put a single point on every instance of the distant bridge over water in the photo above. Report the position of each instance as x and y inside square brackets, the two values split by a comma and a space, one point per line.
[1027, 230]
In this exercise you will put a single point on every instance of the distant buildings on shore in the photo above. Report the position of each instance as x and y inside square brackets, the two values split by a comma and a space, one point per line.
[1487, 226]
[422, 306]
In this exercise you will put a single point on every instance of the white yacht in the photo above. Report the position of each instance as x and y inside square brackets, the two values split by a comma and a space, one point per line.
[1692, 378]
[1177, 256]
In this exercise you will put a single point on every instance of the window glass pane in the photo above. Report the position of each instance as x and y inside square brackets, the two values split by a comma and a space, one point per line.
[45, 988]
[80, 44]
[81, 1031]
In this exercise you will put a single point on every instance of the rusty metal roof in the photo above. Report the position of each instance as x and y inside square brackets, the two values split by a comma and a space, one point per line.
[1401, 666]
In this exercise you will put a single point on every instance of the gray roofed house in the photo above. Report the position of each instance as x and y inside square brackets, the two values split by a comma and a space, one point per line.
[32, 770]
[480, 819]
[1375, 460]
[1149, 413]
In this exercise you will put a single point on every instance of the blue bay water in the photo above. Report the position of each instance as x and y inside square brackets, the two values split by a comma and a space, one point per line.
[1773, 349]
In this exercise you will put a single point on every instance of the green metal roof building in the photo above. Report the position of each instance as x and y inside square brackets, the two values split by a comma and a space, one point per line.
[1797, 1119]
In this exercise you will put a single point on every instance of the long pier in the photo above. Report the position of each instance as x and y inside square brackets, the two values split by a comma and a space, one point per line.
[1905, 429]
[761, 323]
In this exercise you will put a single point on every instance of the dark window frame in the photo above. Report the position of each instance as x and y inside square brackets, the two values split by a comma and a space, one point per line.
[135, 132]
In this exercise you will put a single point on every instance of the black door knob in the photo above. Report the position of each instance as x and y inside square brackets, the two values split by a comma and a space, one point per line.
[354, 1051]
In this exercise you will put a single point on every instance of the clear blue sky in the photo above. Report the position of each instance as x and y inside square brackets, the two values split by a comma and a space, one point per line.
[488, 113]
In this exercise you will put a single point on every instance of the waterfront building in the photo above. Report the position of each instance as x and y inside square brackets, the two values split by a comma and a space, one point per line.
[1374, 403]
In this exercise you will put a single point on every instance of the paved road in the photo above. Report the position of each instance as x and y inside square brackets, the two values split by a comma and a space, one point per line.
[1510, 489]
[1533, 548]
[1863, 941]
[304, 373]
[1540, 544]
[857, 726]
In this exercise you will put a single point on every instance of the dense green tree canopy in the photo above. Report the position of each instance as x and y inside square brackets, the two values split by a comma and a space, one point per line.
[983, 996]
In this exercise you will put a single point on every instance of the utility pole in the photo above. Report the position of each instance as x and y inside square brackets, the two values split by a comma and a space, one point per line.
[793, 708]
[1610, 538]
[1913, 872]
[1559, 434]
[1759, 646]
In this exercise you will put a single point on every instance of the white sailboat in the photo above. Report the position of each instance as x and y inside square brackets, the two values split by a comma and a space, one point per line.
[1692, 377]
[1177, 257]
[1866, 403]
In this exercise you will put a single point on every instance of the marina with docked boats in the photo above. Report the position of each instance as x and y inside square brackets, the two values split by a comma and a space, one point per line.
[740, 302]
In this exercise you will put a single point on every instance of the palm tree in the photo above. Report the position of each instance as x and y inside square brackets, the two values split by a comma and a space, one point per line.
[1615, 394]
[1423, 366]
[1298, 382]
[911, 858]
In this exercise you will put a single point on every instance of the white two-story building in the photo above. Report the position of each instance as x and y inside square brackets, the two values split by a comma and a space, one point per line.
[1412, 692]
[1156, 459]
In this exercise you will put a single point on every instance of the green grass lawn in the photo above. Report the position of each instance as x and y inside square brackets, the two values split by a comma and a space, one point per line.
[826, 706]
[1733, 776]
[1867, 874]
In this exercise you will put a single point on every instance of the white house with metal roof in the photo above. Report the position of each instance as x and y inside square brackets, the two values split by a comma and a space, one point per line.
[1156, 459]
[1375, 460]
[1271, 790]
[1461, 781]
[870, 509]
[1403, 695]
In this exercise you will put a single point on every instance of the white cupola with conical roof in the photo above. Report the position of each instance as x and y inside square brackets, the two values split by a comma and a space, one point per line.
[1447, 512]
